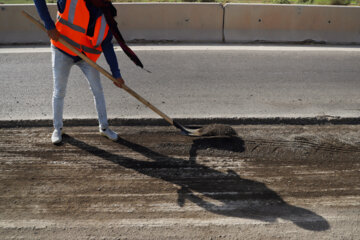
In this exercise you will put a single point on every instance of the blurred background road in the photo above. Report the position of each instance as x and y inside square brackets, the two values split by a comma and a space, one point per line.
[194, 81]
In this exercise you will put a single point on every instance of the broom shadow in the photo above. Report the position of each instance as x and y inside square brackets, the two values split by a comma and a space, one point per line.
[239, 197]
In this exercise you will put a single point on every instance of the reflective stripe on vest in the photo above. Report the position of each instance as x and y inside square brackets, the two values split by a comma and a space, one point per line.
[82, 47]
[72, 10]
[71, 25]
[101, 34]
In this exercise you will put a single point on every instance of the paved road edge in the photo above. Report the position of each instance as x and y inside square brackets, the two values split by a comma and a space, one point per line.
[186, 121]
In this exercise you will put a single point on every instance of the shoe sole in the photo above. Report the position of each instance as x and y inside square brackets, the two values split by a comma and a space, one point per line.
[103, 134]
[56, 142]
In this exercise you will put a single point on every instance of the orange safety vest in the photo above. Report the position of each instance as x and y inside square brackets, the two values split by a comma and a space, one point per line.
[73, 24]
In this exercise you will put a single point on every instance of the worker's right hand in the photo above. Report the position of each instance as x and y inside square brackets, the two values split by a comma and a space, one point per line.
[119, 82]
[53, 34]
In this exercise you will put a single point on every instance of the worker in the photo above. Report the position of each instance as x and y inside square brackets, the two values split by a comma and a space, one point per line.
[83, 25]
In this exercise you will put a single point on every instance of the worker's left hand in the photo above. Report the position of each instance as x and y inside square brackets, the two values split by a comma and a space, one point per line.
[119, 82]
[53, 34]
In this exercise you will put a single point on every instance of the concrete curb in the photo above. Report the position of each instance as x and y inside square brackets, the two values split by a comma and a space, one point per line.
[185, 121]
[207, 22]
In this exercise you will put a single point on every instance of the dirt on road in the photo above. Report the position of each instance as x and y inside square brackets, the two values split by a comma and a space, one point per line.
[270, 182]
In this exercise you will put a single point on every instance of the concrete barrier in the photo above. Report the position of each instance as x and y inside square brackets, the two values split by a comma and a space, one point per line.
[17, 29]
[207, 22]
[189, 22]
[184, 22]
[291, 23]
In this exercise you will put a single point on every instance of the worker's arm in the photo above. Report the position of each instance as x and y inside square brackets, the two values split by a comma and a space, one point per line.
[45, 16]
[110, 56]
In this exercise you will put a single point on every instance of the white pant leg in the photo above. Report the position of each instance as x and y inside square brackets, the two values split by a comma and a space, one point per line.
[61, 65]
[93, 77]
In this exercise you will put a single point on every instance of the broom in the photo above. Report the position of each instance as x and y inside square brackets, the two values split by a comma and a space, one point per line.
[210, 130]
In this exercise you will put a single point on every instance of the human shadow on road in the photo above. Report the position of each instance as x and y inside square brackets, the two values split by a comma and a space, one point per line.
[237, 197]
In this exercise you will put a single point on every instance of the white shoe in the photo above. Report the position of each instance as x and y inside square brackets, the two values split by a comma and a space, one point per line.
[109, 134]
[56, 136]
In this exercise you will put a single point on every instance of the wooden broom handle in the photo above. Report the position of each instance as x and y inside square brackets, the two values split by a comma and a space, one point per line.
[103, 71]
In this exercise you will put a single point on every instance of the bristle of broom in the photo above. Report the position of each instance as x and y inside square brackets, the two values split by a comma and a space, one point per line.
[216, 130]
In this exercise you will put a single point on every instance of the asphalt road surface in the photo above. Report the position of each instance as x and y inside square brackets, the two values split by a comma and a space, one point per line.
[199, 81]
[270, 182]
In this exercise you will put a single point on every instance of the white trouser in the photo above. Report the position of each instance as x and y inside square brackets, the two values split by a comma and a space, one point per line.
[61, 65]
